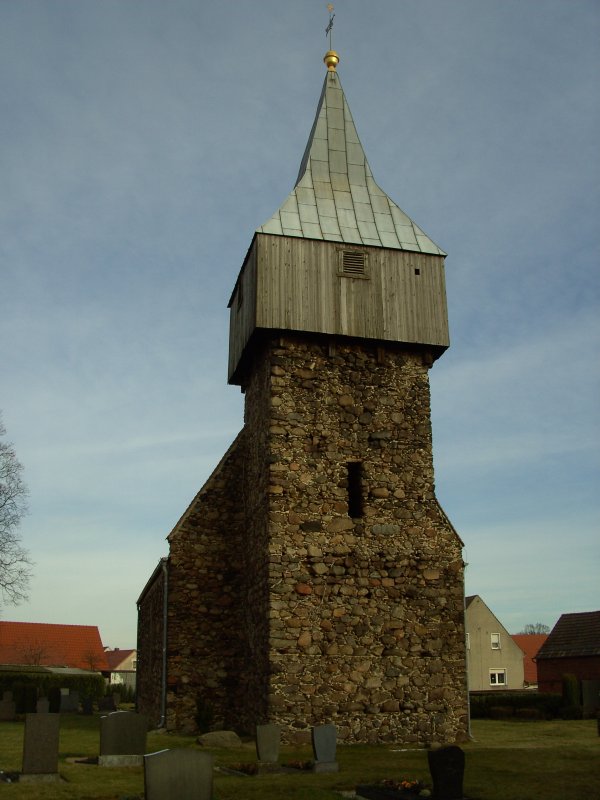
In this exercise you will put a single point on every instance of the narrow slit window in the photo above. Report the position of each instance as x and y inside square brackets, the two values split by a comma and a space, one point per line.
[355, 489]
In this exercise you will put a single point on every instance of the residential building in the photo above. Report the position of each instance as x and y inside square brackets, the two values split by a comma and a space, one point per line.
[530, 643]
[572, 647]
[494, 660]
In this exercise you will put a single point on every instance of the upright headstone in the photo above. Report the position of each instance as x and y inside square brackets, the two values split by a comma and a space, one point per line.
[69, 702]
[43, 705]
[123, 739]
[179, 774]
[324, 746]
[87, 705]
[268, 739]
[8, 708]
[40, 748]
[447, 767]
[106, 703]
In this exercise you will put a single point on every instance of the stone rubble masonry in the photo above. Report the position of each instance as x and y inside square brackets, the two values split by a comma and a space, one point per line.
[283, 608]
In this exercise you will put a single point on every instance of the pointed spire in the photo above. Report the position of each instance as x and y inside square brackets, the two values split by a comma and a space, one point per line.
[335, 197]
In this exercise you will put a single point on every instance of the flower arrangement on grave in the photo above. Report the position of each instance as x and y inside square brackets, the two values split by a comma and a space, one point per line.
[405, 785]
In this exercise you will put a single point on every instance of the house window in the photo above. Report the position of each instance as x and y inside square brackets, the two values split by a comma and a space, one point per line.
[495, 637]
[497, 677]
[355, 491]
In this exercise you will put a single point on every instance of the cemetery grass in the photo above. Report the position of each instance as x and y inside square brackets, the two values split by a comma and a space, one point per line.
[557, 760]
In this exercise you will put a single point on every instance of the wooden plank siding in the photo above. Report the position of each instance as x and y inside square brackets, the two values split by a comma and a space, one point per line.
[297, 284]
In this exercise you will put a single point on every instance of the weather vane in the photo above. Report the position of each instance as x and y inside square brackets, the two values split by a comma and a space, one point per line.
[328, 29]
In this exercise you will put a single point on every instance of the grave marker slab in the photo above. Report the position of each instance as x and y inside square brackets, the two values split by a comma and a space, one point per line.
[122, 739]
[179, 774]
[268, 739]
[69, 702]
[324, 746]
[40, 748]
[447, 768]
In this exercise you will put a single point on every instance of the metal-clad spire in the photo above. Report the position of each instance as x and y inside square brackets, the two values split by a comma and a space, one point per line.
[335, 197]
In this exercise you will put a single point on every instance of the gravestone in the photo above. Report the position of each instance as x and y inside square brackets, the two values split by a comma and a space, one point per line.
[106, 703]
[40, 748]
[69, 702]
[447, 768]
[268, 739]
[43, 705]
[87, 705]
[123, 739]
[180, 774]
[8, 708]
[324, 745]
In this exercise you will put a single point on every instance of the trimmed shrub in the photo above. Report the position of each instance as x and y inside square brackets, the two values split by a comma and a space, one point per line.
[570, 690]
[546, 703]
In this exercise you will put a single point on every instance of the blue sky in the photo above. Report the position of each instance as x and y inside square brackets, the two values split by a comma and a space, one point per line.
[142, 143]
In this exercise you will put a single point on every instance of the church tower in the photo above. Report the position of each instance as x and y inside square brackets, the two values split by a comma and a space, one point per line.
[337, 314]
[324, 581]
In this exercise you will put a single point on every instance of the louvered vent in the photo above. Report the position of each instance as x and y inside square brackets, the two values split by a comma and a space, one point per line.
[353, 262]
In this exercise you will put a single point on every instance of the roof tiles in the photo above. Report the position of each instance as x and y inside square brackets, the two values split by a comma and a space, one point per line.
[48, 645]
[573, 636]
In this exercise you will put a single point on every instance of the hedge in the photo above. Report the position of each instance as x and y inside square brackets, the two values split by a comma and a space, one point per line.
[27, 686]
[521, 705]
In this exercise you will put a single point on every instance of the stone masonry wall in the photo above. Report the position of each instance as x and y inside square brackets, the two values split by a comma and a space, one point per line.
[365, 614]
[149, 650]
[206, 626]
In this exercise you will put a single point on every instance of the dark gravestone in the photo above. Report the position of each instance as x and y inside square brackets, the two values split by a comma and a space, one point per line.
[180, 774]
[40, 747]
[324, 746]
[8, 708]
[54, 699]
[106, 704]
[268, 739]
[123, 739]
[87, 706]
[447, 767]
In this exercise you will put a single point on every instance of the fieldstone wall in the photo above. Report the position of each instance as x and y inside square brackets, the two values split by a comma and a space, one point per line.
[282, 606]
[206, 626]
[365, 614]
[149, 671]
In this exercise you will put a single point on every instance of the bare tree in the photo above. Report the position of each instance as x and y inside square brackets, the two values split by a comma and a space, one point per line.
[535, 627]
[15, 563]
[34, 653]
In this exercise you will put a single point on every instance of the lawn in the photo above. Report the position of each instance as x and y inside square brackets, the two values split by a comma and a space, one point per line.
[558, 760]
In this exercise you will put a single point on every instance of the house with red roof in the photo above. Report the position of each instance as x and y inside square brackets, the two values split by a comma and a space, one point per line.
[45, 645]
[572, 647]
[122, 667]
[530, 643]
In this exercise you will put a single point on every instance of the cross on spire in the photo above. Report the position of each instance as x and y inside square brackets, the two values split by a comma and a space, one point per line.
[329, 27]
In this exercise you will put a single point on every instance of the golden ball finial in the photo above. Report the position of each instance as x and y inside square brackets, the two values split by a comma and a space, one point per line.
[331, 60]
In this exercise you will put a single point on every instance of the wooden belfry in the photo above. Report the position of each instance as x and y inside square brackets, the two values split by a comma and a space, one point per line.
[314, 578]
